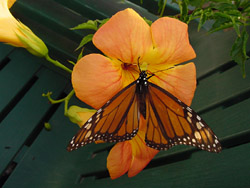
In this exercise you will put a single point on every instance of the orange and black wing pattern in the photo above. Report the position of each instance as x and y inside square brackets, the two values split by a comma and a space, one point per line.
[170, 122]
[116, 121]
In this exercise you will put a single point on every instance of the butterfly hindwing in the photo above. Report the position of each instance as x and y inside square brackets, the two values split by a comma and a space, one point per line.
[116, 121]
[171, 122]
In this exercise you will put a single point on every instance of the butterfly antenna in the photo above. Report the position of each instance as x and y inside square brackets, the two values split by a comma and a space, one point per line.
[163, 70]
[138, 64]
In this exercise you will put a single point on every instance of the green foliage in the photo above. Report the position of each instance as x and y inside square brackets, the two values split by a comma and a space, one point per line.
[85, 40]
[224, 14]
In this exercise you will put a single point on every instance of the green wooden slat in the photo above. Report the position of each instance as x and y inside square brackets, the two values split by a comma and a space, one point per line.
[228, 169]
[152, 6]
[220, 87]
[231, 120]
[5, 50]
[101, 9]
[16, 74]
[25, 116]
[48, 161]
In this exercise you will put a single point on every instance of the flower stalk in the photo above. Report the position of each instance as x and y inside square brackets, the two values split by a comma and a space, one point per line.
[65, 100]
[57, 63]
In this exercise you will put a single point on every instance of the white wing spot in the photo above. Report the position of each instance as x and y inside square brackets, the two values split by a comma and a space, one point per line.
[189, 109]
[87, 126]
[98, 111]
[201, 124]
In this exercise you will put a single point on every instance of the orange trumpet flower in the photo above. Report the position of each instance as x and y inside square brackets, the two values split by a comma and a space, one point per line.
[124, 39]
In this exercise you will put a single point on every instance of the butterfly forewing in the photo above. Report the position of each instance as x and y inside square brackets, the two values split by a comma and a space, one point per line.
[116, 121]
[177, 123]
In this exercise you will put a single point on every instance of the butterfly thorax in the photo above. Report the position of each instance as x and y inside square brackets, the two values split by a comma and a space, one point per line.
[141, 92]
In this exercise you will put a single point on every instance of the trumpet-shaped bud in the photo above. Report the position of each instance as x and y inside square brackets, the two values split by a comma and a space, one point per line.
[14, 33]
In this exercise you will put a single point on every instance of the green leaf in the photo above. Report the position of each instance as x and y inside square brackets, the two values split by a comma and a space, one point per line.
[198, 3]
[149, 22]
[222, 21]
[238, 51]
[71, 62]
[80, 54]
[85, 40]
[223, 6]
[87, 25]
[203, 19]
[101, 22]
[236, 26]
[221, 27]
[183, 5]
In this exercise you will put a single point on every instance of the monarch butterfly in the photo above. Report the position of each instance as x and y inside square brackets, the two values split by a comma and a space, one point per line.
[169, 121]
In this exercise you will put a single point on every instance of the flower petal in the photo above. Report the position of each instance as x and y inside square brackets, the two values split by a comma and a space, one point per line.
[126, 36]
[8, 26]
[10, 3]
[170, 38]
[119, 159]
[96, 79]
[141, 154]
[179, 81]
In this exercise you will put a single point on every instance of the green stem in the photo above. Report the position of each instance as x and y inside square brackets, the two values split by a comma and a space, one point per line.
[65, 100]
[58, 64]
[163, 8]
